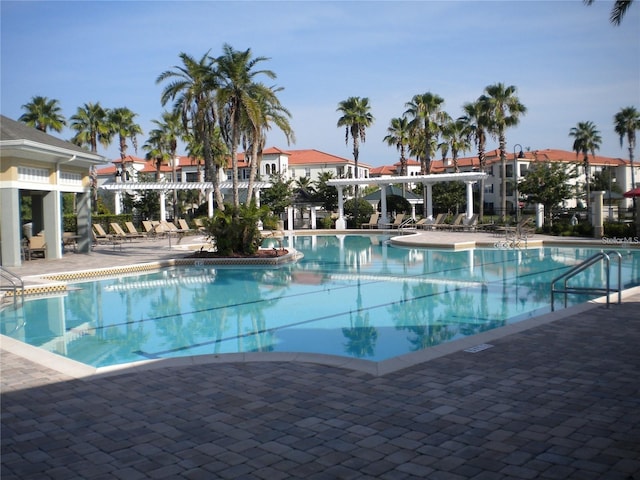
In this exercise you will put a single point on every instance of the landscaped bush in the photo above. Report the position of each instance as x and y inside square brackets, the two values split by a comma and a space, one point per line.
[615, 229]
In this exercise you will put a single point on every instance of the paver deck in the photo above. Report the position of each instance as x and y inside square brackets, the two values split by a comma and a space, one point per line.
[560, 400]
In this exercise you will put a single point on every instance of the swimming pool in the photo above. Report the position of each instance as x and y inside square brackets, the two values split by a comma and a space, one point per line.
[354, 296]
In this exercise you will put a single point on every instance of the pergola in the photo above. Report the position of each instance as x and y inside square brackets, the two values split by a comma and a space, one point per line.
[469, 178]
[164, 187]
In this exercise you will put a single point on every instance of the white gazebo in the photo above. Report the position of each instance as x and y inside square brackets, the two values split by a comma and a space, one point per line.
[35, 164]
[469, 178]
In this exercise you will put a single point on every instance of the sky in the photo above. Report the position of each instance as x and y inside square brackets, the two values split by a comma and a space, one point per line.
[568, 63]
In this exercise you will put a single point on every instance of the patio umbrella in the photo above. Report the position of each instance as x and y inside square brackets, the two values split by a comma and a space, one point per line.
[632, 193]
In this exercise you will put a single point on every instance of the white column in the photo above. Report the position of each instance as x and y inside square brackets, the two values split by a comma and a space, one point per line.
[118, 202]
[539, 215]
[257, 196]
[341, 224]
[163, 209]
[598, 213]
[210, 203]
[384, 215]
[312, 219]
[469, 199]
[429, 206]
[290, 218]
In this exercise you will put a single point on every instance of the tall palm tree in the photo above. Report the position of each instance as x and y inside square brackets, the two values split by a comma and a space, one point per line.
[425, 111]
[398, 134]
[456, 135]
[121, 122]
[239, 100]
[272, 112]
[618, 10]
[91, 124]
[356, 118]
[477, 123]
[627, 123]
[43, 114]
[504, 109]
[586, 140]
[192, 87]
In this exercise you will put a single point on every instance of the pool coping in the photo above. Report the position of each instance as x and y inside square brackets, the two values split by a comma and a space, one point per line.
[81, 371]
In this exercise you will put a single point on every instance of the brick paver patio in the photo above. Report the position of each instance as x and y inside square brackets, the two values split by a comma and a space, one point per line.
[559, 401]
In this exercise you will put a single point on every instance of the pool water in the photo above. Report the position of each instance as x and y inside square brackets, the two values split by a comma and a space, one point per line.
[354, 295]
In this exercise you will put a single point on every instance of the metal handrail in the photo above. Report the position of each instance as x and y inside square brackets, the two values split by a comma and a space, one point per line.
[14, 281]
[592, 260]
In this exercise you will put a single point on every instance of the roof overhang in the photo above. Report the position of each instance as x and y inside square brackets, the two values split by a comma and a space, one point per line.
[30, 150]
[426, 179]
[126, 186]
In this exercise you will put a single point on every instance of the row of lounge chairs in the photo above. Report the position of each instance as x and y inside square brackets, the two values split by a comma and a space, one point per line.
[460, 222]
[151, 229]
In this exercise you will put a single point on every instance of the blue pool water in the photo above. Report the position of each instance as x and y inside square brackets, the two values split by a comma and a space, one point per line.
[355, 296]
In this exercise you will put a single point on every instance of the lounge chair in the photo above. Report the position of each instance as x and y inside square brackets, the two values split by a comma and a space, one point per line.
[199, 225]
[37, 245]
[397, 222]
[119, 232]
[99, 232]
[131, 228]
[184, 226]
[102, 237]
[373, 221]
[466, 224]
[149, 228]
[451, 226]
[426, 224]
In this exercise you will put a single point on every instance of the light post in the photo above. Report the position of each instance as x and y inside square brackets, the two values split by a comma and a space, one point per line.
[515, 179]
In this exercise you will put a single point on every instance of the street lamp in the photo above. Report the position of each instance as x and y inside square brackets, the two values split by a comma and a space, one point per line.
[515, 178]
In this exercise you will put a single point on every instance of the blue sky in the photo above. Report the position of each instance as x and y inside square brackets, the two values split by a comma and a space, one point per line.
[567, 61]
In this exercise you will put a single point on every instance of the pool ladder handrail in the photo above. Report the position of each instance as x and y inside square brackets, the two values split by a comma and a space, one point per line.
[14, 282]
[592, 260]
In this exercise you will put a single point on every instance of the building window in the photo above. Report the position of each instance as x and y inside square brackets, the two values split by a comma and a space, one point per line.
[307, 172]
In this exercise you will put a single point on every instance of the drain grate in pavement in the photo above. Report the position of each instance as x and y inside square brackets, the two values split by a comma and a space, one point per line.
[478, 348]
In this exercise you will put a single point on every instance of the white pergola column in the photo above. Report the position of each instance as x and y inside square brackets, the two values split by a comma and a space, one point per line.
[341, 224]
[469, 199]
[429, 207]
[163, 208]
[312, 215]
[118, 202]
[257, 197]
[384, 215]
[290, 218]
[210, 203]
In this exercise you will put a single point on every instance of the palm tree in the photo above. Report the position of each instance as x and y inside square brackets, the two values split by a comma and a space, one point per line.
[618, 10]
[477, 123]
[239, 101]
[504, 110]
[92, 126]
[456, 135]
[586, 140]
[192, 87]
[43, 114]
[271, 113]
[425, 111]
[398, 135]
[356, 118]
[121, 123]
[627, 122]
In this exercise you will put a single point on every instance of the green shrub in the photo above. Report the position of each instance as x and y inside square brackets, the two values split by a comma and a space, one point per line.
[615, 229]
[235, 230]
